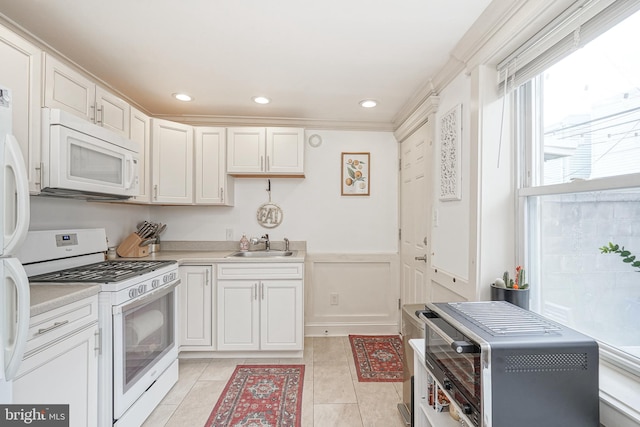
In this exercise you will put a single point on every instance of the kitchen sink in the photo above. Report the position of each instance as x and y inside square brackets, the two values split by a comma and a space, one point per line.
[262, 254]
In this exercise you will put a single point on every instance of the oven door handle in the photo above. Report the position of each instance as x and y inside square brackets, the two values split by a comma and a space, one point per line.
[143, 299]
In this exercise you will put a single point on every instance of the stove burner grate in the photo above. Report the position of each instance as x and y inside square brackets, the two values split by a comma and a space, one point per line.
[101, 272]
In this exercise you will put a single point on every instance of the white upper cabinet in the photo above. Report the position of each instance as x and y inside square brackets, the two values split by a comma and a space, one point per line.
[140, 132]
[265, 151]
[212, 186]
[172, 162]
[20, 71]
[112, 112]
[285, 151]
[69, 90]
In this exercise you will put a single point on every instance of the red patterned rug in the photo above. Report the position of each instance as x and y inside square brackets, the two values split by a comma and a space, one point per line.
[377, 357]
[260, 395]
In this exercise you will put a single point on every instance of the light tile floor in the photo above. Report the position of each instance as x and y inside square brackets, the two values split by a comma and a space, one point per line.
[331, 397]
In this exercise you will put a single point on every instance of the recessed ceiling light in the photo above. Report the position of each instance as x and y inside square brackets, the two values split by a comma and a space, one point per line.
[368, 103]
[261, 100]
[182, 97]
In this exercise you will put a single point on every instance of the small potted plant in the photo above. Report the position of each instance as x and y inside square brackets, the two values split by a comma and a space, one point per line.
[510, 290]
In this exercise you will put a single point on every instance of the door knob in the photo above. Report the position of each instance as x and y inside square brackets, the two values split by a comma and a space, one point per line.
[421, 258]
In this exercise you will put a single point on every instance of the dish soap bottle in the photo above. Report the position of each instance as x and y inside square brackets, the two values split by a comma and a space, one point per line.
[244, 243]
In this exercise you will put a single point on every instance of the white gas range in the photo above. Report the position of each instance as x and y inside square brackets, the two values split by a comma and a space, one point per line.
[137, 311]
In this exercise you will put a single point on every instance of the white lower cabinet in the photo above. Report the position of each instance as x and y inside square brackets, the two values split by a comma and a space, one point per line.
[61, 362]
[260, 307]
[195, 307]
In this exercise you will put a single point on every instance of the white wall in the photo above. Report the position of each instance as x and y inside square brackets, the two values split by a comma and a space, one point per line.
[450, 237]
[118, 219]
[313, 208]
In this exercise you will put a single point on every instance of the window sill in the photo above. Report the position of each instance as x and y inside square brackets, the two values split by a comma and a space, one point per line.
[619, 397]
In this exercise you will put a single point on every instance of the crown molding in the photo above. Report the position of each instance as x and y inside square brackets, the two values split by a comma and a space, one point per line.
[419, 117]
[228, 121]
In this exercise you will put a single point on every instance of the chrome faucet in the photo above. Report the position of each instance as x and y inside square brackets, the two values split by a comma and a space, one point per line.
[286, 244]
[264, 239]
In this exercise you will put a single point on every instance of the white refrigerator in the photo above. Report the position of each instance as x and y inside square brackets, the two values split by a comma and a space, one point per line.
[14, 221]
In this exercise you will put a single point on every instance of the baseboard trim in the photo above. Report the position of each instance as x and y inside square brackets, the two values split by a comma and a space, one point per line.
[343, 329]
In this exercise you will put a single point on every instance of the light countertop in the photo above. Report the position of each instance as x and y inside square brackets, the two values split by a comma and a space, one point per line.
[46, 297]
[49, 297]
[212, 257]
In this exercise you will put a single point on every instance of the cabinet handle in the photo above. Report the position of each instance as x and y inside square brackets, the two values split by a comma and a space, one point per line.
[155, 192]
[52, 327]
[221, 195]
[93, 112]
[268, 164]
[262, 291]
[39, 168]
[255, 290]
[99, 120]
[98, 347]
[206, 278]
[261, 163]
[421, 258]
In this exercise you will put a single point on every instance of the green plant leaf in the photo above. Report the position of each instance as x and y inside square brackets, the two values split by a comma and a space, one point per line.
[625, 253]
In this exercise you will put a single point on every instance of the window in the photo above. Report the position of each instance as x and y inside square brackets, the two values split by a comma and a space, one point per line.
[579, 133]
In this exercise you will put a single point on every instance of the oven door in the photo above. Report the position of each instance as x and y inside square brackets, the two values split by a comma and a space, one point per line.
[457, 358]
[144, 344]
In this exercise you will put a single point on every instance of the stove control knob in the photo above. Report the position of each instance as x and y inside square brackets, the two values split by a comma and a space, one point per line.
[466, 409]
[155, 283]
[447, 385]
[141, 289]
[133, 293]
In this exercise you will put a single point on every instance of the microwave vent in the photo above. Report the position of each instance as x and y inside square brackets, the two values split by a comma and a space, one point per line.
[500, 318]
[552, 362]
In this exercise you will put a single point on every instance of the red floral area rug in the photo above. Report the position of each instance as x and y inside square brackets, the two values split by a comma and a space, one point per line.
[260, 395]
[378, 358]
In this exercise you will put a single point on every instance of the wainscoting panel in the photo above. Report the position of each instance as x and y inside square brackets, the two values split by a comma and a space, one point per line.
[351, 294]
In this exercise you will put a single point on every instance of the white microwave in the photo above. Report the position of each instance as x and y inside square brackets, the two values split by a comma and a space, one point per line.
[84, 160]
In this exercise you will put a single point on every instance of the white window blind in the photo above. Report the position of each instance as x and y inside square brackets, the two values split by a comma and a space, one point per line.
[579, 24]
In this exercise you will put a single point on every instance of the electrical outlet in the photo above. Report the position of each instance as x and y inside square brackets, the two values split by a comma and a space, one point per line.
[230, 234]
[333, 298]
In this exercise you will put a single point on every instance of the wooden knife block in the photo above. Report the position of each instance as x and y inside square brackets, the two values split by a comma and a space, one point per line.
[130, 247]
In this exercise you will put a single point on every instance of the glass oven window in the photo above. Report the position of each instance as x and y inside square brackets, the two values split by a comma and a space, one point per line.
[462, 369]
[148, 335]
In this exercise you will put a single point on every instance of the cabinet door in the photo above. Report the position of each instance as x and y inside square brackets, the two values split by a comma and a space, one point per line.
[210, 167]
[238, 317]
[140, 132]
[63, 373]
[285, 151]
[21, 72]
[281, 320]
[246, 150]
[69, 90]
[196, 306]
[172, 158]
[112, 112]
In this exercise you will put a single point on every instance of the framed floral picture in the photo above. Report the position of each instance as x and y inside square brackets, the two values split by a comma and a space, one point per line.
[355, 174]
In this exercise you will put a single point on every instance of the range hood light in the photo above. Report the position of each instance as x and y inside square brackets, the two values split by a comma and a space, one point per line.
[182, 97]
[261, 100]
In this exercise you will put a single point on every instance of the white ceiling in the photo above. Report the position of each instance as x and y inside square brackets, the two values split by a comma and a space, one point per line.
[315, 59]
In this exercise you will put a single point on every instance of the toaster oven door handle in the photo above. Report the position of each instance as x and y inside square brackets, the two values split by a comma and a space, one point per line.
[436, 329]
[459, 346]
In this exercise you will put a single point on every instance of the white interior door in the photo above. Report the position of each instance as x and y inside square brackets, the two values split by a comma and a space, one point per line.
[415, 207]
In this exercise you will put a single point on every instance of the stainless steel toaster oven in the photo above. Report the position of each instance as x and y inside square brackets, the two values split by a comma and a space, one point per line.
[505, 366]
